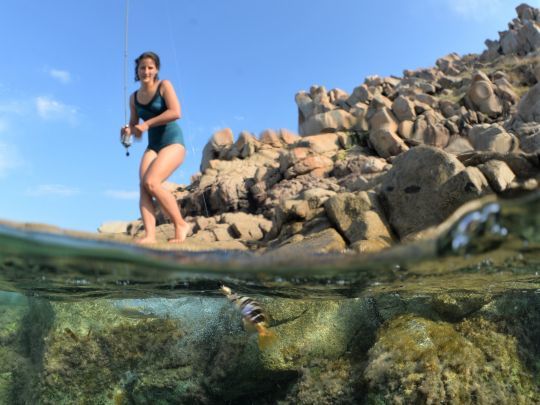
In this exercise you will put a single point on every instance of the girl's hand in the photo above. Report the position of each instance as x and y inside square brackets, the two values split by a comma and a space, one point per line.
[139, 129]
[125, 130]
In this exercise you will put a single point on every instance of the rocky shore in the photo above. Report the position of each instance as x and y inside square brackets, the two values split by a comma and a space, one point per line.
[380, 165]
[386, 164]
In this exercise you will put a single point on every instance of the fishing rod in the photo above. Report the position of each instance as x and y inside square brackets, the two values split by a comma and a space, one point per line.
[126, 138]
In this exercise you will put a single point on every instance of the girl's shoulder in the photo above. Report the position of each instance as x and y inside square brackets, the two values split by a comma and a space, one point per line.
[165, 84]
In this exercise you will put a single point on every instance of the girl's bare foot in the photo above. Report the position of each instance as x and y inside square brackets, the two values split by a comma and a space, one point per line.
[145, 241]
[180, 234]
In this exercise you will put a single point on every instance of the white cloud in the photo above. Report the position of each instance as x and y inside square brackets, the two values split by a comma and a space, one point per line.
[122, 194]
[476, 9]
[9, 158]
[63, 76]
[50, 109]
[52, 190]
[239, 118]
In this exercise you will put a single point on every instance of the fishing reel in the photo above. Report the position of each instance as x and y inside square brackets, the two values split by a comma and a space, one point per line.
[126, 141]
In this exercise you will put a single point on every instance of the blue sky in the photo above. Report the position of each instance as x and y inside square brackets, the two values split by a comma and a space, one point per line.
[234, 63]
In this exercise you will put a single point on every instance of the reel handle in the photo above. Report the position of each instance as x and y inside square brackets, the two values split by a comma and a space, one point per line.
[126, 140]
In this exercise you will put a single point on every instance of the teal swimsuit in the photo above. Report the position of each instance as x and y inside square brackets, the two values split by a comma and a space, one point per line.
[162, 135]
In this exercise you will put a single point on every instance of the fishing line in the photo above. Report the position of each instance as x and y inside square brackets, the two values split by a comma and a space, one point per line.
[177, 76]
[126, 139]
[126, 60]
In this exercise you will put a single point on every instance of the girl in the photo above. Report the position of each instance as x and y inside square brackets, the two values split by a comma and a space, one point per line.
[157, 105]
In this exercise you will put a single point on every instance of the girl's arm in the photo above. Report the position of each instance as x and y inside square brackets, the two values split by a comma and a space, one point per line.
[173, 111]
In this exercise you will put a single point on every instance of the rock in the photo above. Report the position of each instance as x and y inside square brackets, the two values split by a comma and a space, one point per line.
[296, 209]
[316, 197]
[246, 231]
[498, 174]
[422, 361]
[481, 95]
[450, 64]
[327, 241]
[357, 217]
[202, 223]
[222, 233]
[524, 166]
[361, 94]
[492, 137]
[331, 121]
[115, 227]
[467, 185]
[529, 106]
[305, 105]
[428, 132]
[457, 145]
[405, 129]
[288, 137]
[270, 137]
[220, 141]
[246, 145]
[530, 144]
[321, 143]
[360, 111]
[319, 165]
[409, 189]
[321, 100]
[403, 109]
[338, 97]
[384, 119]
[387, 143]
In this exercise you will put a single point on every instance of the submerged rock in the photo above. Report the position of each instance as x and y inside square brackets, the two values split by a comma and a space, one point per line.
[416, 360]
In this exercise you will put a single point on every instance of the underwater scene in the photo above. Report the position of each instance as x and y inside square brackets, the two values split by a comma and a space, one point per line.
[450, 320]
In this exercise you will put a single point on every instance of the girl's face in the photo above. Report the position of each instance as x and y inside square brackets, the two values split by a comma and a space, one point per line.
[147, 70]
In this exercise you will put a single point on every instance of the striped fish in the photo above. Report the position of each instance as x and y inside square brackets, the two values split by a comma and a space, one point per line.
[253, 316]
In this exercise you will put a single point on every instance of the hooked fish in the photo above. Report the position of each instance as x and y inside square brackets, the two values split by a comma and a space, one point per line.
[253, 316]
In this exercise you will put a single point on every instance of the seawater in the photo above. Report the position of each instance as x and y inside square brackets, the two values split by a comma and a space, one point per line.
[455, 319]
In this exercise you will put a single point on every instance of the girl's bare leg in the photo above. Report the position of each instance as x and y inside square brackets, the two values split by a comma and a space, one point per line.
[146, 203]
[166, 162]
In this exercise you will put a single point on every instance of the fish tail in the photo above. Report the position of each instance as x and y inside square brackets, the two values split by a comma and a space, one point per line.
[266, 337]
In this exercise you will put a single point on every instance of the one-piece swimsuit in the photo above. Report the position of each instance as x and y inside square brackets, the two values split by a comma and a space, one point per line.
[161, 135]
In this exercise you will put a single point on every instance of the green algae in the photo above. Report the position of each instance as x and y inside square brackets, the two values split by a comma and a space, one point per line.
[416, 360]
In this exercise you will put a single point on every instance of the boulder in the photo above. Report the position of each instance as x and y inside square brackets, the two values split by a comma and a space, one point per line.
[481, 96]
[246, 145]
[387, 143]
[331, 121]
[531, 143]
[305, 105]
[529, 106]
[411, 190]
[492, 137]
[327, 241]
[498, 174]
[457, 145]
[383, 118]
[318, 165]
[357, 217]
[403, 109]
[321, 143]
[361, 94]
[270, 137]
[114, 227]
[288, 137]
[220, 141]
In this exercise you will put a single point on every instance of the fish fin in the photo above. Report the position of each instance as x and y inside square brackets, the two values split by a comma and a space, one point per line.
[266, 337]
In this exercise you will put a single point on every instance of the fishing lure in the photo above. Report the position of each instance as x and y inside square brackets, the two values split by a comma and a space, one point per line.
[253, 316]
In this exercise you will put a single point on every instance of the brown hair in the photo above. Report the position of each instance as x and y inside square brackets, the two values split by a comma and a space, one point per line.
[144, 55]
